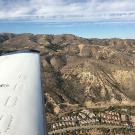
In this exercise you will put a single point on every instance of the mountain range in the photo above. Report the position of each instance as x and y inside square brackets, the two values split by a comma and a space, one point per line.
[79, 72]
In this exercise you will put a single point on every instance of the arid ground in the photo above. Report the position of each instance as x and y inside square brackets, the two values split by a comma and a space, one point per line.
[80, 73]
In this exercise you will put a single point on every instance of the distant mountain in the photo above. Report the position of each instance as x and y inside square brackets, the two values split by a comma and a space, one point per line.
[80, 72]
[6, 36]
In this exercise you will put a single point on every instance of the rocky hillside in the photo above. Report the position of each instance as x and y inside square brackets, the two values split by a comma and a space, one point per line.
[79, 72]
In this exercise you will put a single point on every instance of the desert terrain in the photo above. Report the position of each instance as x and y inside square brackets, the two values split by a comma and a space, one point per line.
[81, 74]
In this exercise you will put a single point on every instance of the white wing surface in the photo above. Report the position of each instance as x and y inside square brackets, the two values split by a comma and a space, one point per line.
[21, 102]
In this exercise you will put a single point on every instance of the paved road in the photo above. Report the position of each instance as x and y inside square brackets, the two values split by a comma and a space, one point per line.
[83, 127]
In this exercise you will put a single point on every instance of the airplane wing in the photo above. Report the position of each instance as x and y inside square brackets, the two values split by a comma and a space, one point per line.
[21, 100]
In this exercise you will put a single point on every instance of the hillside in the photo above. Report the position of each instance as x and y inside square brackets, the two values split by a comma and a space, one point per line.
[80, 72]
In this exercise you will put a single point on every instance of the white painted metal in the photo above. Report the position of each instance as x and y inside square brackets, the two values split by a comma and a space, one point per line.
[21, 106]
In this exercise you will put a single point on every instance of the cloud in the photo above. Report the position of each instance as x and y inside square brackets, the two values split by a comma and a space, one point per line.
[67, 10]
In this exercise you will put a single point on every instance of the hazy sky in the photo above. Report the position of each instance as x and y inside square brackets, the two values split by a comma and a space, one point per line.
[87, 18]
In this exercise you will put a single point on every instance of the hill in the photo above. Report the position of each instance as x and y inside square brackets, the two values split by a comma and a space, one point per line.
[79, 72]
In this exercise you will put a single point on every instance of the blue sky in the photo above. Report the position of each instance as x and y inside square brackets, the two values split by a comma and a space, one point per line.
[86, 18]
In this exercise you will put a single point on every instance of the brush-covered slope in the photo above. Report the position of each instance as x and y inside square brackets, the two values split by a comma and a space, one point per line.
[80, 72]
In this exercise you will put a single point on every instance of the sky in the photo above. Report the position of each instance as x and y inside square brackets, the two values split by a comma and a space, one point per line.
[85, 18]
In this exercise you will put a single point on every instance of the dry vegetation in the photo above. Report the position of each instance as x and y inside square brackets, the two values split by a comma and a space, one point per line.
[80, 72]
